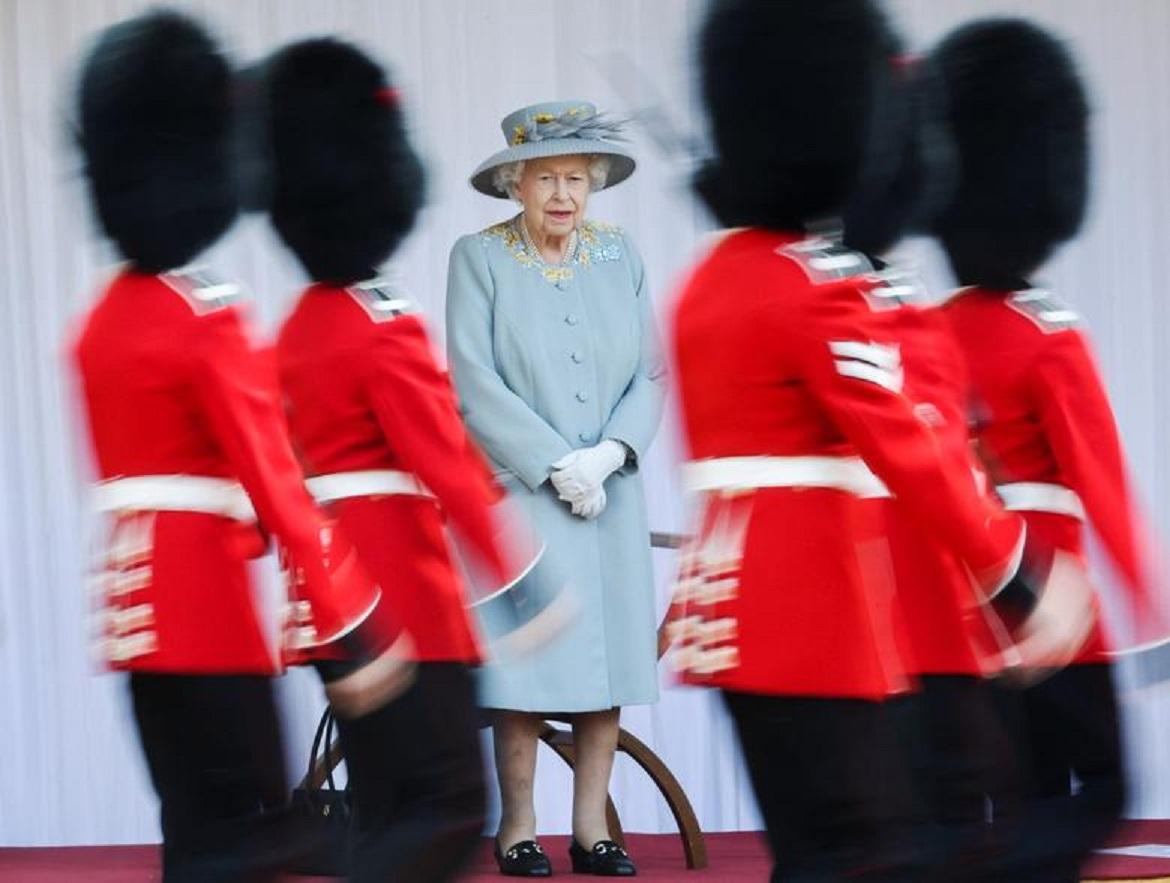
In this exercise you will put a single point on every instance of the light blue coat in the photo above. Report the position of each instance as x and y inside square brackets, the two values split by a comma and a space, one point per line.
[547, 359]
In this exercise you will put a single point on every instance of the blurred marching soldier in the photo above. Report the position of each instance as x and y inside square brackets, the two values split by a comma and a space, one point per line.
[792, 390]
[196, 469]
[1041, 418]
[956, 747]
[377, 427]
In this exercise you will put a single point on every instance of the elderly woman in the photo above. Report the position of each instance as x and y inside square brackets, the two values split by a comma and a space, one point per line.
[553, 350]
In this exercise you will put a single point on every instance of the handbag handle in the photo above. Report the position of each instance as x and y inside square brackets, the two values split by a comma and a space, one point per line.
[322, 745]
[327, 749]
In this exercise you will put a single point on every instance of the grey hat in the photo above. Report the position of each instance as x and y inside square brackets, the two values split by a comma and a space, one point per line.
[556, 128]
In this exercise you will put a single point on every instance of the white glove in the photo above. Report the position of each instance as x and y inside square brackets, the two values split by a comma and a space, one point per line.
[591, 506]
[582, 472]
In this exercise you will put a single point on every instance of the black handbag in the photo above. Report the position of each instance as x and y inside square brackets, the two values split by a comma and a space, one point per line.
[324, 810]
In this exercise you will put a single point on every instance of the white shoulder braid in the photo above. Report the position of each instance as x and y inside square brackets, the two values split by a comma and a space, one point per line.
[203, 292]
[896, 287]
[1045, 310]
[825, 261]
[381, 301]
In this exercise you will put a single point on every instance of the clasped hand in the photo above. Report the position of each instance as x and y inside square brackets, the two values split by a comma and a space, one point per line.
[579, 476]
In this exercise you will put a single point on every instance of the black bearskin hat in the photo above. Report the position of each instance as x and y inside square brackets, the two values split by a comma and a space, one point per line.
[793, 92]
[1019, 118]
[155, 109]
[345, 185]
[920, 183]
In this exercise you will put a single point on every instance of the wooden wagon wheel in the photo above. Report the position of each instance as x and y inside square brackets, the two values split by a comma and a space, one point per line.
[561, 742]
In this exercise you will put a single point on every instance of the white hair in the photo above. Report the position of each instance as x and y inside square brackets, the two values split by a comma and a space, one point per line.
[507, 177]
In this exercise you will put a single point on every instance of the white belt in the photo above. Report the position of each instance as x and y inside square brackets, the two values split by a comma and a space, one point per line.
[174, 493]
[367, 483]
[1041, 496]
[849, 474]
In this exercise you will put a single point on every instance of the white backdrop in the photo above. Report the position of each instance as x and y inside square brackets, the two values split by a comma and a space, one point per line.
[69, 767]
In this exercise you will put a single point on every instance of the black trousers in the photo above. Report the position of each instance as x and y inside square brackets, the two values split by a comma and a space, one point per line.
[960, 759]
[1066, 726]
[831, 784]
[213, 748]
[416, 775]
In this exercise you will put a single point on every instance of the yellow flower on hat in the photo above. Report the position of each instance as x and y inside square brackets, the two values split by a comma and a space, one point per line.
[544, 118]
[519, 135]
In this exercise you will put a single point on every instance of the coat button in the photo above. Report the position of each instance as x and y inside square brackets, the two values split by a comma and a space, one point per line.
[583, 436]
[562, 284]
[576, 357]
[582, 396]
[570, 319]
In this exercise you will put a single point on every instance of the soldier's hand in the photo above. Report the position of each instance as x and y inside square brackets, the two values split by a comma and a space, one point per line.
[1058, 627]
[375, 684]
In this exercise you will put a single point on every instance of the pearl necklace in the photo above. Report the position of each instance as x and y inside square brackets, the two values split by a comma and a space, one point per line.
[570, 252]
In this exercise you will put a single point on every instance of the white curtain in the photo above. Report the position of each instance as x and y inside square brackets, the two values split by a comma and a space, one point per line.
[69, 766]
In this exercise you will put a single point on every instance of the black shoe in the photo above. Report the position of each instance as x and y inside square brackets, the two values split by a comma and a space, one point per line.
[525, 859]
[605, 859]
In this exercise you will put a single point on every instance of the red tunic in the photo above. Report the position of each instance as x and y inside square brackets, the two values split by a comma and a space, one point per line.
[1043, 424]
[363, 392]
[946, 629]
[175, 395]
[782, 352]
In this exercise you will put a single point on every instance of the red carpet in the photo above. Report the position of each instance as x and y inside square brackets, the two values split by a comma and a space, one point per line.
[733, 858]
[1135, 833]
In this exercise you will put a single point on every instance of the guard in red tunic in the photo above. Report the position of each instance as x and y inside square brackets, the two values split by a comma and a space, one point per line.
[1041, 417]
[792, 390]
[956, 746]
[195, 465]
[377, 428]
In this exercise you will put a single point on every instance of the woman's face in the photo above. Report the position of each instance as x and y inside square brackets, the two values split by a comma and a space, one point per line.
[554, 191]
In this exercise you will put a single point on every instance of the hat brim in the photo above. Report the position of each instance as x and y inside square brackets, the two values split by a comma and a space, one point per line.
[621, 163]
